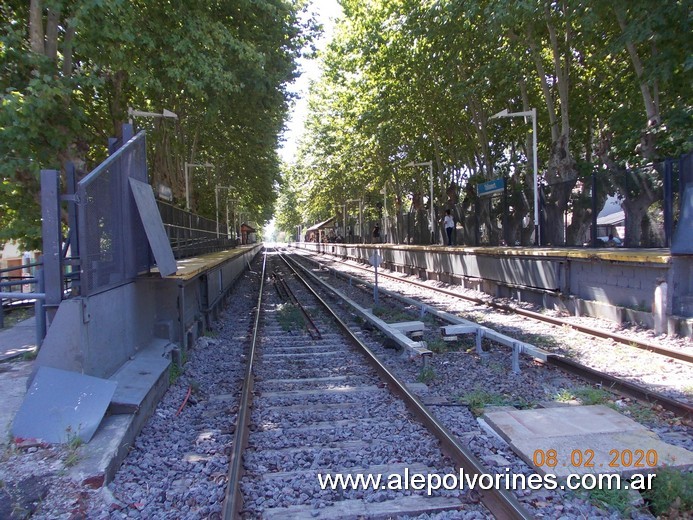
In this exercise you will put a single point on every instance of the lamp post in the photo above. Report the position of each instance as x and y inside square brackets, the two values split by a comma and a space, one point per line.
[384, 193]
[138, 113]
[216, 204]
[531, 113]
[187, 180]
[360, 201]
[430, 177]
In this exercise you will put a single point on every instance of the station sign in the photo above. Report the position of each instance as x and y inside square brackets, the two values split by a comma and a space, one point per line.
[489, 188]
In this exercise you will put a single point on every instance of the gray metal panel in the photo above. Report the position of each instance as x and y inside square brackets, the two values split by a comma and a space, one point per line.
[153, 226]
[61, 405]
[683, 236]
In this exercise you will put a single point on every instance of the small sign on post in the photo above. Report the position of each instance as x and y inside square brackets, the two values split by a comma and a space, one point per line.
[490, 187]
[375, 259]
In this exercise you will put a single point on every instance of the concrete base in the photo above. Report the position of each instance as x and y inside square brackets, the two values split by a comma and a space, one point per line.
[142, 382]
[586, 439]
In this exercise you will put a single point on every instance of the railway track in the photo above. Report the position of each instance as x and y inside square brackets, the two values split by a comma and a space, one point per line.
[605, 380]
[590, 331]
[321, 404]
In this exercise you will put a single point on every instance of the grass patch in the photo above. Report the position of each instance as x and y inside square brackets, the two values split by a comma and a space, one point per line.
[618, 499]
[477, 400]
[30, 355]
[563, 396]
[290, 317]
[671, 494]
[174, 373]
[589, 395]
[439, 345]
[426, 375]
[641, 413]
[390, 315]
[14, 316]
[74, 442]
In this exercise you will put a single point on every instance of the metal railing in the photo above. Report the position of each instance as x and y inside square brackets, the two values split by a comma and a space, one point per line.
[37, 295]
[192, 235]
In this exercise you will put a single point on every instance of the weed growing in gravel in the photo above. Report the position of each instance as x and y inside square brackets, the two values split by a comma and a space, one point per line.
[688, 390]
[563, 396]
[589, 395]
[641, 413]
[174, 373]
[439, 345]
[617, 499]
[671, 493]
[289, 317]
[30, 355]
[426, 374]
[74, 441]
[478, 399]
[523, 404]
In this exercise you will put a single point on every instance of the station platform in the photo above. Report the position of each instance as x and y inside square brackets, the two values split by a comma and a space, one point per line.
[618, 284]
[122, 342]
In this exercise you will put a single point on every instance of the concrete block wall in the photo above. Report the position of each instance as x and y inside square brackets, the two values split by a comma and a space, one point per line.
[623, 284]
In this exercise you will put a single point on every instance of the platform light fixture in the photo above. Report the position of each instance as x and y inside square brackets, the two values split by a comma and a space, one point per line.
[430, 177]
[531, 113]
[216, 206]
[139, 113]
[383, 192]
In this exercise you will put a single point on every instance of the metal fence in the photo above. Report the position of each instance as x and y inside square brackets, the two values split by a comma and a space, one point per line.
[112, 243]
[192, 235]
[106, 245]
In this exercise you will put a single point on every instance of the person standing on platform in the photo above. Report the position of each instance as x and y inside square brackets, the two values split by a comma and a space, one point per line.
[449, 225]
[376, 234]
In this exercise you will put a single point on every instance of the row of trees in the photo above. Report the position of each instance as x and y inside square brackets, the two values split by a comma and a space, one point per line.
[70, 70]
[412, 80]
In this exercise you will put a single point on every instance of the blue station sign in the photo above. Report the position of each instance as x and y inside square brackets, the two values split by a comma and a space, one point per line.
[490, 187]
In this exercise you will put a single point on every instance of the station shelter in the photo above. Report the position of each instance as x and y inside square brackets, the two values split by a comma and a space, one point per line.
[322, 232]
[247, 234]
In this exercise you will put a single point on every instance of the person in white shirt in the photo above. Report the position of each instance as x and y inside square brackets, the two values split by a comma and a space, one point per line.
[449, 225]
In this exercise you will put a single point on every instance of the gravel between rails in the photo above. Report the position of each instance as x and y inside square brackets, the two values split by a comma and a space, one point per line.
[345, 422]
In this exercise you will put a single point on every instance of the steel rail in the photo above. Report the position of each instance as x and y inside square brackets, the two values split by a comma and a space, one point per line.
[644, 345]
[502, 504]
[233, 501]
[613, 383]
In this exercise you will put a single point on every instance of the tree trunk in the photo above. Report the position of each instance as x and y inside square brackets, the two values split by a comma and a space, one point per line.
[635, 209]
[53, 20]
[36, 26]
[648, 140]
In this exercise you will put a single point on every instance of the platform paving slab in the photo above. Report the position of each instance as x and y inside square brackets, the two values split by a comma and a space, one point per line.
[586, 439]
[409, 505]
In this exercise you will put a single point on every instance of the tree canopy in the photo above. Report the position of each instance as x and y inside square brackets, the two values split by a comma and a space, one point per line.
[70, 70]
[412, 81]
